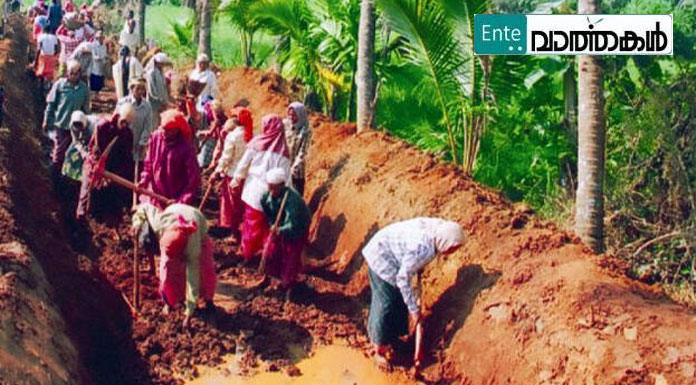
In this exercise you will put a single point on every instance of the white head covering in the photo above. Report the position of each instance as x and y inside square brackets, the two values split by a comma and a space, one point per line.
[73, 65]
[162, 57]
[447, 234]
[203, 58]
[301, 113]
[276, 176]
[126, 111]
[78, 116]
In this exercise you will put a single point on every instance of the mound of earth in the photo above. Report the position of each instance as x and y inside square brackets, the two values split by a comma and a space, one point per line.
[522, 303]
[34, 346]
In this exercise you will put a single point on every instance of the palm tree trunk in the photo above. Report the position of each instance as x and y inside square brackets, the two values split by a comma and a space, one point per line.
[141, 21]
[589, 203]
[570, 99]
[206, 21]
[366, 62]
[197, 8]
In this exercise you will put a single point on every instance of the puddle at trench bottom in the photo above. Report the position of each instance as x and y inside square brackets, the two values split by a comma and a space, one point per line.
[329, 365]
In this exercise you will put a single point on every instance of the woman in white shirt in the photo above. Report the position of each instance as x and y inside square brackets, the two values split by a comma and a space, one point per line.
[265, 152]
[236, 133]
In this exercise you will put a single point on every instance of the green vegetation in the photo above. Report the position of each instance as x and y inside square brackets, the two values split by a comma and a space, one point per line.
[171, 27]
[506, 120]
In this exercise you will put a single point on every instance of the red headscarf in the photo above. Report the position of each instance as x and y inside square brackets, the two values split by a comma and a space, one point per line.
[273, 137]
[174, 240]
[174, 120]
[245, 119]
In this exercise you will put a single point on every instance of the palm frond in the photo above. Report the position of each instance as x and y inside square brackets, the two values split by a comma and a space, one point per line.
[430, 43]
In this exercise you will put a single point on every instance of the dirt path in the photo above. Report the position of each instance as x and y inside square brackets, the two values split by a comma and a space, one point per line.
[523, 303]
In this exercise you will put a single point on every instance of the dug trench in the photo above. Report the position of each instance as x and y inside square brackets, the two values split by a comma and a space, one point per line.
[522, 303]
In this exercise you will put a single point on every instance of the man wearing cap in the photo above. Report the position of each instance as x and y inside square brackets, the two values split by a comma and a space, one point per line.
[204, 75]
[289, 226]
[395, 255]
[157, 90]
[66, 96]
[110, 200]
[126, 69]
[141, 125]
[170, 168]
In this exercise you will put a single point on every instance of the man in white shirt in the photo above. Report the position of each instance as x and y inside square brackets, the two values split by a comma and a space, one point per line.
[100, 62]
[204, 75]
[47, 58]
[129, 36]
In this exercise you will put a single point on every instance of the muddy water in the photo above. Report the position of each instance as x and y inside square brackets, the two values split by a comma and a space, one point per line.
[329, 365]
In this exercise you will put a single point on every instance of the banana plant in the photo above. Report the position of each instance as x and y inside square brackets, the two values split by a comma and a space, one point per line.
[239, 13]
[320, 44]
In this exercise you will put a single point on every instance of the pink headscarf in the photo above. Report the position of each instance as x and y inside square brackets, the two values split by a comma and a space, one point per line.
[273, 137]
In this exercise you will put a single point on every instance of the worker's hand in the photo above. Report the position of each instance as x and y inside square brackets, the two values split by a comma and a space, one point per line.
[142, 185]
[44, 127]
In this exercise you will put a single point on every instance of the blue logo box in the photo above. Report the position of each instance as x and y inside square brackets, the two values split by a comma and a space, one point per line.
[500, 34]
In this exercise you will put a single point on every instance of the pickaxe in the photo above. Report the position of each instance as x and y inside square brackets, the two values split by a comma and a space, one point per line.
[98, 173]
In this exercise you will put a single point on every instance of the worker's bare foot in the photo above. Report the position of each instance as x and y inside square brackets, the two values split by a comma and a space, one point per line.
[288, 294]
[382, 362]
[186, 323]
[165, 310]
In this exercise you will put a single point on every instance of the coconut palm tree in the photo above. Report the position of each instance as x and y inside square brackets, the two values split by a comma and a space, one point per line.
[366, 71]
[206, 23]
[589, 203]
[438, 36]
[141, 21]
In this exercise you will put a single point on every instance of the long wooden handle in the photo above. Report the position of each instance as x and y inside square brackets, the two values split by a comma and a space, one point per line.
[206, 195]
[132, 186]
[136, 274]
[280, 212]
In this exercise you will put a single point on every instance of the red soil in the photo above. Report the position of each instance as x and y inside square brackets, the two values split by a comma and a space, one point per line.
[524, 302]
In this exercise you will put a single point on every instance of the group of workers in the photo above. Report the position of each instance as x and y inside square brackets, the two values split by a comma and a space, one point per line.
[164, 144]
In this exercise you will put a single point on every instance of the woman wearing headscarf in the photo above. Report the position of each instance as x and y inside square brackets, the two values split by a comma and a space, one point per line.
[108, 201]
[170, 168]
[299, 136]
[394, 256]
[236, 134]
[265, 152]
[81, 129]
[186, 270]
